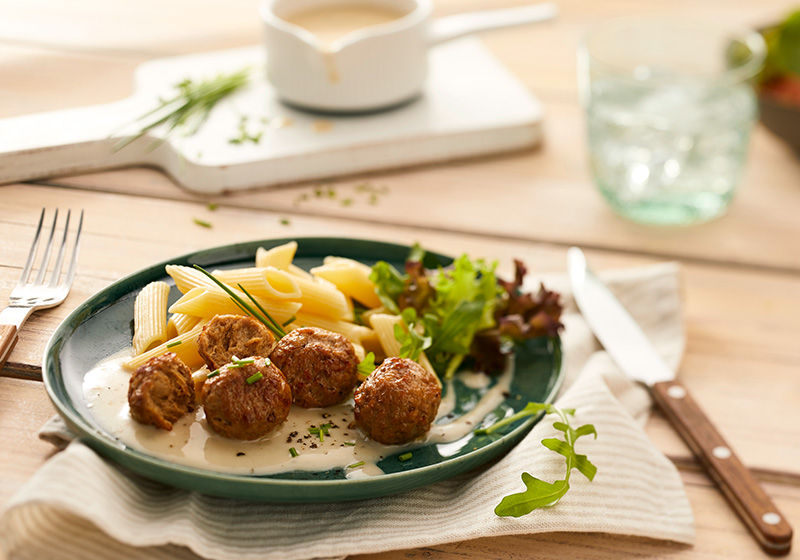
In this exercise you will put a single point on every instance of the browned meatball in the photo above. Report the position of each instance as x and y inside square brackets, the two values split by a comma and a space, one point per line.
[161, 391]
[398, 402]
[240, 410]
[226, 336]
[319, 365]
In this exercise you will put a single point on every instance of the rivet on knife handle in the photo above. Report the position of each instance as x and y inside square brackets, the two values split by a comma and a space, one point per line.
[8, 338]
[735, 480]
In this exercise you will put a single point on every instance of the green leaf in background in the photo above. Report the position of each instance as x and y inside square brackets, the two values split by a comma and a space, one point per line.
[787, 44]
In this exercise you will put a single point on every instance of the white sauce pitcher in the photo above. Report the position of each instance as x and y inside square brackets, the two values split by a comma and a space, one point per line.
[370, 68]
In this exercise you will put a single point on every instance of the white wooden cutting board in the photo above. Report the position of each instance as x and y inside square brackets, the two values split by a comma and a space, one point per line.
[471, 106]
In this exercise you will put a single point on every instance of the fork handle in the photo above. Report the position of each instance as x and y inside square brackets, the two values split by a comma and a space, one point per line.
[8, 338]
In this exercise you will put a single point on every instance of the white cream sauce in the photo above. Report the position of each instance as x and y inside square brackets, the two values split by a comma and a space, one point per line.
[331, 23]
[191, 441]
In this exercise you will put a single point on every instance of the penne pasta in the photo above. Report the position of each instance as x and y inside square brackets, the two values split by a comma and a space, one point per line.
[295, 270]
[320, 297]
[351, 278]
[354, 333]
[186, 278]
[184, 345]
[265, 282]
[280, 257]
[360, 351]
[207, 302]
[371, 343]
[150, 317]
[179, 323]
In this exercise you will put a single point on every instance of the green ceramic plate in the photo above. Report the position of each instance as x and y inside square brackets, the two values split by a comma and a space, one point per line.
[103, 326]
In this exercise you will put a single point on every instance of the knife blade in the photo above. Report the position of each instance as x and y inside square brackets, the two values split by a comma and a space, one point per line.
[636, 357]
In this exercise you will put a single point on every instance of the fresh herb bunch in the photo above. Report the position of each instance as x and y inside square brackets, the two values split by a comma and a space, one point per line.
[462, 310]
[190, 107]
[538, 493]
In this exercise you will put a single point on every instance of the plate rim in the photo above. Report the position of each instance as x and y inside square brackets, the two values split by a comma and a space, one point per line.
[94, 437]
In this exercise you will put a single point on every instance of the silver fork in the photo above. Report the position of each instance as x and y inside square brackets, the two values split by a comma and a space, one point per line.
[31, 295]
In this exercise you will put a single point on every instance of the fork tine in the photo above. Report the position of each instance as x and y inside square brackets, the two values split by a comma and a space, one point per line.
[23, 279]
[74, 260]
[47, 250]
[61, 250]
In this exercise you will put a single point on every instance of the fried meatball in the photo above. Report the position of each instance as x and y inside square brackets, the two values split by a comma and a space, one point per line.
[240, 410]
[319, 365]
[398, 402]
[161, 391]
[226, 336]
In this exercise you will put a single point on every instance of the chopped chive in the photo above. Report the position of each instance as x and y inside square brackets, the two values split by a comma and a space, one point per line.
[354, 465]
[244, 362]
[318, 432]
[351, 443]
[324, 428]
[212, 374]
[289, 321]
[255, 377]
[293, 452]
[285, 221]
[174, 343]
[203, 223]
[212, 206]
[405, 457]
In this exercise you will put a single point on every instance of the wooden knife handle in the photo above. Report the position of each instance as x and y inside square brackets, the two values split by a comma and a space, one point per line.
[740, 487]
[8, 338]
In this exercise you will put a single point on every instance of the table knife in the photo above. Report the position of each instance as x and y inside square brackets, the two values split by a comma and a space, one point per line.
[634, 354]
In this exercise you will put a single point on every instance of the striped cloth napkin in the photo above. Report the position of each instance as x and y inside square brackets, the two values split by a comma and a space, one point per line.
[80, 506]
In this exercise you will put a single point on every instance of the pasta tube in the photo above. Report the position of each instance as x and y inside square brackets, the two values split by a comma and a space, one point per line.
[265, 282]
[186, 278]
[150, 316]
[280, 257]
[354, 333]
[351, 277]
[207, 302]
[184, 345]
[179, 323]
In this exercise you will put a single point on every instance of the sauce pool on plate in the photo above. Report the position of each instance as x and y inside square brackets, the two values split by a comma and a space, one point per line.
[192, 443]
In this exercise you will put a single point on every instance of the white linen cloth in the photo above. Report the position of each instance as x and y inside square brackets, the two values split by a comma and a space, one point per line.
[80, 506]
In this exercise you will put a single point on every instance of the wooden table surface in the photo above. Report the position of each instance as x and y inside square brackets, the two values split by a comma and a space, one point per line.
[741, 272]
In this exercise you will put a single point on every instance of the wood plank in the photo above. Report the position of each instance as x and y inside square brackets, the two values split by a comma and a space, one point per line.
[741, 323]
[550, 192]
[24, 408]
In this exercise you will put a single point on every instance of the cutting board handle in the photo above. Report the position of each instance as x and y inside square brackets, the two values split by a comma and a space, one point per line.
[70, 141]
[740, 487]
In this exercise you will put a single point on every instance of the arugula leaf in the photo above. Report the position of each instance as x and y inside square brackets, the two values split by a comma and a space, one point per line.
[538, 493]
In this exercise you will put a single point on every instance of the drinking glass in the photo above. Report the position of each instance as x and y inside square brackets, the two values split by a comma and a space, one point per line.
[669, 106]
